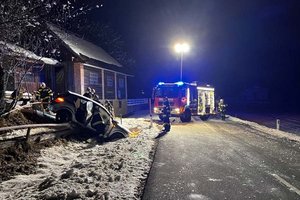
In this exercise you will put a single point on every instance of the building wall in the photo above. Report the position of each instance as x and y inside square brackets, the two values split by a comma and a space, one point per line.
[78, 74]
[30, 81]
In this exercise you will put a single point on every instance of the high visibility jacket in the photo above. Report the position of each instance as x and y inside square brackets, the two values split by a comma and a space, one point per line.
[44, 93]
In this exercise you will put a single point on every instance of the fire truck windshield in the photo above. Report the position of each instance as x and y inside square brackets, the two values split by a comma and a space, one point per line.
[167, 91]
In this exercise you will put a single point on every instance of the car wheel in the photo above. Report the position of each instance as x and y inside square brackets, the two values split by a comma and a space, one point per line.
[63, 116]
[116, 136]
[204, 117]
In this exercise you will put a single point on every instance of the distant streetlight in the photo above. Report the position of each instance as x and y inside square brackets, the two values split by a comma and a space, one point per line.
[181, 48]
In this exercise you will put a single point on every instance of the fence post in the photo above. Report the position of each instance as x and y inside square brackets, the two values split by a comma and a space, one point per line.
[277, 124]
[27, 134]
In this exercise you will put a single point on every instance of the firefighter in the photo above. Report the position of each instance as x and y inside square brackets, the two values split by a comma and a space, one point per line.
[109, 107]
[166, 115]
[93, 93]
[97, 98]
[97, 121]
[222, 108]
[88, 93]
[44, 94]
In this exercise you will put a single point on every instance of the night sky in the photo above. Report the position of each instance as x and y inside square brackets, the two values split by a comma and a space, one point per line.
[235, 44]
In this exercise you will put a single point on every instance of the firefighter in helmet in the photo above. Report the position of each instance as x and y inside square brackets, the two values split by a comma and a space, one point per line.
[44, 94]
[166, 115]
[222, 108]
[88, 92]
[109, 107]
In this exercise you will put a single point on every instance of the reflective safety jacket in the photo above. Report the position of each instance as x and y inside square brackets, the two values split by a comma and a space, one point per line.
[44, 93]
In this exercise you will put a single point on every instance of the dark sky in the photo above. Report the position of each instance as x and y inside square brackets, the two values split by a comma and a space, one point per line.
[235, 44]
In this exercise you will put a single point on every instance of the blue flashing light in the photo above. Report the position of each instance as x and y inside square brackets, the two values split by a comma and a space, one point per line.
[180, 83]
[161, 83]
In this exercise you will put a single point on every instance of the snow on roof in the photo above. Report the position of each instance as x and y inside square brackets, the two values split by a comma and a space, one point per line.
[83, 47]
[19, 51]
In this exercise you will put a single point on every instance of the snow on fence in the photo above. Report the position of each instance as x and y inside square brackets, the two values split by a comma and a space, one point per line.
[136, 104]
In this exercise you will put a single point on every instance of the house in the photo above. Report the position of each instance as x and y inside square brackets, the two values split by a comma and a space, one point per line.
[86, 65]
[24, 65]
[82, 65]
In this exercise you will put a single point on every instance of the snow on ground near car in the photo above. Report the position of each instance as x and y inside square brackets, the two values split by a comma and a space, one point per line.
[87, 170]
[114, 170]
[273, 132]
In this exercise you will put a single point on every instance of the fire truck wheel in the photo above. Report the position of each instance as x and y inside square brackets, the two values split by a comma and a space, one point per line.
[204, 117]
[186, 116]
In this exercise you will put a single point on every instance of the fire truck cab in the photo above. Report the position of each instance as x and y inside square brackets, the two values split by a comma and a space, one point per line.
[186, 100]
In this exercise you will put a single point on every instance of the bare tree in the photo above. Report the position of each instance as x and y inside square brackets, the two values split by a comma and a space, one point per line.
[23, 23]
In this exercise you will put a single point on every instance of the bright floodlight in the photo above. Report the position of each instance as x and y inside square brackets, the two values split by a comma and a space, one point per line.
[182, 47]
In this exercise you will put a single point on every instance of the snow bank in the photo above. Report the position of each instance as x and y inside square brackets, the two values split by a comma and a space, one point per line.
[114, 170]
[273, 132]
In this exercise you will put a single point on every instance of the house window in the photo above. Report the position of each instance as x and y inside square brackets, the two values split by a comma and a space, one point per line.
[94, 78]
[121, 91]
[121, 83]
[110, 81]
[109, 85]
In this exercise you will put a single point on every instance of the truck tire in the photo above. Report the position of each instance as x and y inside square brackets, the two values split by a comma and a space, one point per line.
[63, 116]
[204, 117]
[186, 116]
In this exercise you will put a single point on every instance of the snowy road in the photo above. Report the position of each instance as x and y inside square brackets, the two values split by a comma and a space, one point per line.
[224, 160]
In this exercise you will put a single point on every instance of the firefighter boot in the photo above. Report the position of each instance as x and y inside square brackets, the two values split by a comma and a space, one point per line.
[167, 127]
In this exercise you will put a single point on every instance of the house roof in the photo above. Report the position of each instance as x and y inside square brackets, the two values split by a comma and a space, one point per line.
[83, 48]
[14, 50]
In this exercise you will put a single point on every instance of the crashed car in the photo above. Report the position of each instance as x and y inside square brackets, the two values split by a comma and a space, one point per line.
[86, 113]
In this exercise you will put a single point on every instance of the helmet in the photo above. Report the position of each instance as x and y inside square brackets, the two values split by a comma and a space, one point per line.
[88, 89]
[93, 91]
[43, 85]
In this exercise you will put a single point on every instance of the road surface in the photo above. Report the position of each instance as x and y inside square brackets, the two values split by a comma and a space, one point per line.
[223, 160]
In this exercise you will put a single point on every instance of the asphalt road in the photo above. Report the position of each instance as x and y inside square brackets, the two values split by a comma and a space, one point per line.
[223, 160]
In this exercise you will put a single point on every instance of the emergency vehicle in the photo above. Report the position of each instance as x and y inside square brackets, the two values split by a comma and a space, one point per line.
[186, 100]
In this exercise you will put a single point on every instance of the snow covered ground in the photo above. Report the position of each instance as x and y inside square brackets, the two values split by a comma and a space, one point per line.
[289, 122]
[267, 130]
[87, 170]
[114, 170]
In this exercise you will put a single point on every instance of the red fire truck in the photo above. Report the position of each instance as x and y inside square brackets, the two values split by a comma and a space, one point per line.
[186, 100]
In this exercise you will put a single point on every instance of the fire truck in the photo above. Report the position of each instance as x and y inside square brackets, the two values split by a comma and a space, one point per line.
[186, 100]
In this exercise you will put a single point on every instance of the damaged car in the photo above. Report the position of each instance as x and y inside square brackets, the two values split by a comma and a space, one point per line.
[86, 113]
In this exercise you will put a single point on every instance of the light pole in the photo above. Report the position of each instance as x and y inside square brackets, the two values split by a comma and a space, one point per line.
[181, 48]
